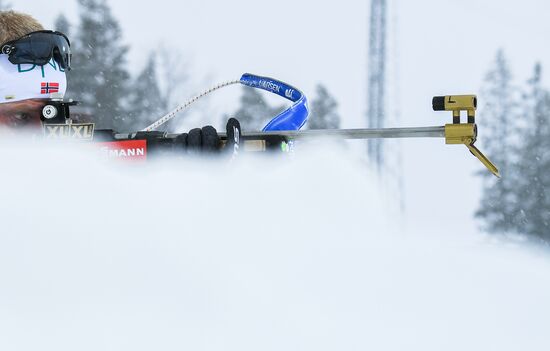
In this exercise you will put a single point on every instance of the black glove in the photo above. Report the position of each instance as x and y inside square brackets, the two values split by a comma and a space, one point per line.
[207, 140]
[198, 140]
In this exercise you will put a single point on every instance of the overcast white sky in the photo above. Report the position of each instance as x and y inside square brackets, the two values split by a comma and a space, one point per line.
[439, 46]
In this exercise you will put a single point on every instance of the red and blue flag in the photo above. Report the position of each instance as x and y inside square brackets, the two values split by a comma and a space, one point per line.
[49, 88]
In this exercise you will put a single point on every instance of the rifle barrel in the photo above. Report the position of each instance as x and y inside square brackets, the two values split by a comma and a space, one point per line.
[367, 133]
[415, 132]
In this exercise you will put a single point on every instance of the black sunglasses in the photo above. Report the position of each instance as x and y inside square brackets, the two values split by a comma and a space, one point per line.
[39, 48]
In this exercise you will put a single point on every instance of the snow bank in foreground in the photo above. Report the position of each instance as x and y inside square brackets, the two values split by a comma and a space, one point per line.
[256, 255]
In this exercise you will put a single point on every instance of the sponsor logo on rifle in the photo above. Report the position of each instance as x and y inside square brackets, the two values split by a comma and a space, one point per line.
[289, 93]
[236, 138]
[81, 131]
[127, 149]
[267, 85]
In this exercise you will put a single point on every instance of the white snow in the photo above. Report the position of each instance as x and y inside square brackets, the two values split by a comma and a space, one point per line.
[278, 254]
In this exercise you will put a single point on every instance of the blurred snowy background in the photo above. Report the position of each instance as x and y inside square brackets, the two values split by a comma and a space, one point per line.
[315, 252]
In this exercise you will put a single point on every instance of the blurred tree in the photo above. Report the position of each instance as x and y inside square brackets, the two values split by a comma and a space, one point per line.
[499, 207]
[534, 162]
[172, 71]
[63, 25]
[147, 103]
[255, 112]
[4, 5]
[100, 79]
[323, 110]
[172, 79]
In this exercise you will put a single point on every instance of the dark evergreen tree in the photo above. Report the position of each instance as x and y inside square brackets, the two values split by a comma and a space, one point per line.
[323, 110]
[499, 207]
[147, 103]
[255, 112]
[4, 6]
[172, 71]
[172, 80]
[534, 161]
[63, 25]
[100, 79]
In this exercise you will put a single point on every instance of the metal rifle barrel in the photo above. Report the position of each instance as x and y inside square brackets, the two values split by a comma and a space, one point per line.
[385, 133]
[414, 132]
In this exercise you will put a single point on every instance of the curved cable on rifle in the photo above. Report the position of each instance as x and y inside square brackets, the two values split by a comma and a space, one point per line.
[188, 103]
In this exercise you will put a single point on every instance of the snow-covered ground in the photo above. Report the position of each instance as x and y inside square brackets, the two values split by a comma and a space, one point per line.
[284, 254]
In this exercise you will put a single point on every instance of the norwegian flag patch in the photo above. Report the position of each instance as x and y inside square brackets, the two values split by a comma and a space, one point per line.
[49, 88]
